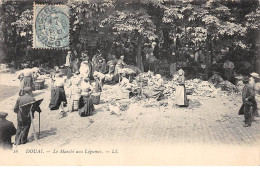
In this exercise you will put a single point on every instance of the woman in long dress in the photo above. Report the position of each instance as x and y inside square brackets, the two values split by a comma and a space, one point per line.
[180, 95]
[86, 69]
[26, 81]
[86, 106]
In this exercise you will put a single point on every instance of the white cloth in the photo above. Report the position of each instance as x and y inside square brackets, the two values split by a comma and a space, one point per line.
[84, 69]
[179, 100]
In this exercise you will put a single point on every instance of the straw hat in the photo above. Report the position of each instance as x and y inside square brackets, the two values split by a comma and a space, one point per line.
[256, 75]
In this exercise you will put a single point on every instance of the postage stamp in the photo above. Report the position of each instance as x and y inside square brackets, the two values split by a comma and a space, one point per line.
[51, 27]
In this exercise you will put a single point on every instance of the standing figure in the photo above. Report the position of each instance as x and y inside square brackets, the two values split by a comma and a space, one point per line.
[57, 96]
[75, 65]
[120, 64]
[7, 130]
[23, 116]
[86, 68]
[95, 63]
[86, 106]
[229, 70]
[68, 59]
[27, 81]
[103, 66]
[252, 81]
[180, 95]
[35, 73]
[111, 64]
[68, 64]
[248, 97]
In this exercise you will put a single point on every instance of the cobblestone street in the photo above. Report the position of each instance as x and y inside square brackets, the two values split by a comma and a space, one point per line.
[211, 121]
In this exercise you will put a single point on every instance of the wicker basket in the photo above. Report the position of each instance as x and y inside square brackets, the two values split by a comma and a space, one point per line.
[39, 84]
[95, 98]
[75, 105]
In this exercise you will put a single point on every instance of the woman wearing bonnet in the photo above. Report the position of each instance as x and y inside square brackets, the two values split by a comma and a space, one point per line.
[180, 95]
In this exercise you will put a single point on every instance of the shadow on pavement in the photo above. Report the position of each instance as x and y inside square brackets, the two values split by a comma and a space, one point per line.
[44, 133]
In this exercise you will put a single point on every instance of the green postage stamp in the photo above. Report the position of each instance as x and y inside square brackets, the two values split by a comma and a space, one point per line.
[51, 27]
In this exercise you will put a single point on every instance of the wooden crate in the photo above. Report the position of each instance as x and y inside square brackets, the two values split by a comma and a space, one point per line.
[39, 85]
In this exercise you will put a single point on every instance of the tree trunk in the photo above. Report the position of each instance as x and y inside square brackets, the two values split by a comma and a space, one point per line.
[139, 60]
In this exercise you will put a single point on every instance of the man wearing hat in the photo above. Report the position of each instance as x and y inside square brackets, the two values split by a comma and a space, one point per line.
[252, 81]
[248, 97]
[23, 117]
[7, 130]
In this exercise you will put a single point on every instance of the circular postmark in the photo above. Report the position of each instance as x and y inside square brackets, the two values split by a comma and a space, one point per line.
[52, 27]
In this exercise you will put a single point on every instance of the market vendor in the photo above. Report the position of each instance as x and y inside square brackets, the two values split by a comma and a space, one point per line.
[86, 68]
[68, 63]
[151, 60]
[75, 65]
[120, 64]
[86, 106]
[155, 88]
[27, 81]
[35, 73]
[158, 81]
[180, 95]
[111, 64]
[58, 96]
[95, 62]
[103, 66]
[97, 85]
[229, 70]
[254, 77]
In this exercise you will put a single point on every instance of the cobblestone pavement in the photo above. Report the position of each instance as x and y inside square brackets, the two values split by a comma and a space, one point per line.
[207, 121]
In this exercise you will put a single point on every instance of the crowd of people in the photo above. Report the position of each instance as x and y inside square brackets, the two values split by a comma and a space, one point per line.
[79, 88]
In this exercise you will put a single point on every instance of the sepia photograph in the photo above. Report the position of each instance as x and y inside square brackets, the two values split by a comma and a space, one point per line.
[129, 82]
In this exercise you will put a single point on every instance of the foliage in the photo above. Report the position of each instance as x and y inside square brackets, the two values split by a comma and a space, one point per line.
[194, 23]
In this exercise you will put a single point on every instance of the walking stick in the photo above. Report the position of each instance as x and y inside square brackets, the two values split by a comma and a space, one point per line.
[20, 134]
[39, 125]
[34, 132]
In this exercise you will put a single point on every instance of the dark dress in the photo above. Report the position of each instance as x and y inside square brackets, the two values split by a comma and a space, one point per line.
[247, 106]
[7, 130]
[23, 118]
[86, 106]
[27, 81]
[57, 96]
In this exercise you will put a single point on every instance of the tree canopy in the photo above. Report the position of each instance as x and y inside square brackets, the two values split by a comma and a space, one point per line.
[174, 25]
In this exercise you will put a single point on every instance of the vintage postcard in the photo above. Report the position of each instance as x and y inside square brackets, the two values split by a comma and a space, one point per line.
[129, 83]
